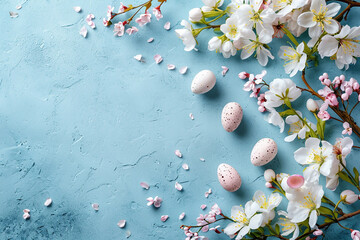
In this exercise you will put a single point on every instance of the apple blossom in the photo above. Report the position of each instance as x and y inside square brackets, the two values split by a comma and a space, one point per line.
[186, 35]
[214, 44]
[349, 197]
[228, 49]
[281, 90]
[232, 28]
[267, 205]
[295, 59]
[347, 128]
[297, 127]
[287, 225]
[275, 119]
[195, 15]
[283, 7]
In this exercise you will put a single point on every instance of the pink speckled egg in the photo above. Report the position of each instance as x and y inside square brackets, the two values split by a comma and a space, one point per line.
[263, 152]
[231, 116]
[228, 177]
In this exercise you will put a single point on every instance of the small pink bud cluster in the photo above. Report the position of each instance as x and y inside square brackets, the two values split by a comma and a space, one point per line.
[254, 85]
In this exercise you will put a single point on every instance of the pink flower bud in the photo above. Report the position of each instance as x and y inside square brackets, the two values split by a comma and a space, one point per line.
[355, 234]
[268, 185]
[244, 75]
[312, 105]
[317, 232]
[349, 197]
[344, 96]
[295, 181]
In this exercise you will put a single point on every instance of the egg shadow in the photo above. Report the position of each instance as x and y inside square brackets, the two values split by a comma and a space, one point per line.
[242, 130]
[213, 94]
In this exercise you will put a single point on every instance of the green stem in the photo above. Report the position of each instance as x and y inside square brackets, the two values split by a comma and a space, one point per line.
[350, 175]
[217, 18]
[290, 36]
[312, 133]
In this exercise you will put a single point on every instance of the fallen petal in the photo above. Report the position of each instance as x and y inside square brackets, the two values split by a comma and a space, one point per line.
[225, 70]
[83, 31]
[203, 206]
[13, 14]
[185, 166]
[18, 7]
[121, 223]
[191, 116]
[128, 234]
[170, 66]
[207, 193]
[183, 70]
[144, 185]
[26, 216]
[202, 159]
[167, 26]
[178, 153]
[178, 186]
[91, 24]
[48, 202]
[150, 40]
[158, 59]
[77, 9]
[164, 218]
[26, 210]
[181, 216]
[138, 57]
[95, 206]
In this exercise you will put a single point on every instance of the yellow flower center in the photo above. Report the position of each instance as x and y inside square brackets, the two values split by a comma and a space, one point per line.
[320, 17]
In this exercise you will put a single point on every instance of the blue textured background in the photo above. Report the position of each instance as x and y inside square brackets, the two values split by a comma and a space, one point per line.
[81, 121]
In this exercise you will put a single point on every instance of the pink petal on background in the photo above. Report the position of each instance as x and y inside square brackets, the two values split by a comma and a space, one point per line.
[121, 223]
[91, 24]
[83, 31]
[191, 116]
[150, 40]
[295, 181]
[178, 153]
[48, 202]
[170, 66]
[13, 14]
[26, 210]
[77, 9]
[183, 70]
[144, 185]
[26, 216]
[158, 59]
[225, 70]
[208, 193]
[181, 216]
[167, 26]
[202, 159]
[203, 206]
[95, 206]
[164, 218]
[185, 166]
[138, 57]
[178, 186]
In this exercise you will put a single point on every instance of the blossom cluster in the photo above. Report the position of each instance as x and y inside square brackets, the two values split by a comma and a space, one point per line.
[249, 26]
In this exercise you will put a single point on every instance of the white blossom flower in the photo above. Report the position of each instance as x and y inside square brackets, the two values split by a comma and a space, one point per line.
[252, 14]
[288, 226]
[211, 4]
[249, 43]
[231, 28]
[283, 7]
[186, 36]
[297, 127]
[214, 44]
[267, 206]
[244, 220]
[234, 6]
[275, 119]
[228, 49]
[295, 59]
[195, 15]
[343, 45]
[319, 18]
[279, 91]
[320, 159]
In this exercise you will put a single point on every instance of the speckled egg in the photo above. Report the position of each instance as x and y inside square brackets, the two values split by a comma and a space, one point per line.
[228, 177]
[231, 116]
[263, 152]
[203, 82]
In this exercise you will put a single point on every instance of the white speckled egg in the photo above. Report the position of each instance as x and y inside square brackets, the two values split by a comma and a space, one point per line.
[263, 152]
[228, 177]
[203, 82]
[231, 116]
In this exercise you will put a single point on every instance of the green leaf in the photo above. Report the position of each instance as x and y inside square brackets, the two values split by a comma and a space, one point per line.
[328, 220]
[277, 229]
[345, 177]
[325, 211]
[356, 172]
[261, 230]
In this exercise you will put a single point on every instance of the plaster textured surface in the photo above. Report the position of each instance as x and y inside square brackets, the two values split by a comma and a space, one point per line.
[83, 122]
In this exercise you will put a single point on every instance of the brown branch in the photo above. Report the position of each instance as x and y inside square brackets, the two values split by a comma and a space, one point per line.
[341, 15]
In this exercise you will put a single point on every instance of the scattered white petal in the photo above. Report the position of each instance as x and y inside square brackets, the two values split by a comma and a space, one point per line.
[183, 70]
[150, 40]
[225, 70]
[128, 234]
[208, 193]
[191, 116]
[48, 202]
[178, 186]
[18, 7]
[77, 9]
[164, 218]
[26, 216]
[203, 206]
[121, 223]
[181, 216]
[202, 159]
[178, 153]
[91, 24]
[13, 14]
[95, 206]
[171, 66]
[138, 57]
[185, 166]
[144, 185]
[83, 31]
[158, 59]
[167, 26]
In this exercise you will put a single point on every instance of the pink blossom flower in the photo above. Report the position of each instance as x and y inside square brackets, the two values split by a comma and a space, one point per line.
[144, 19]
[317, 232]
[255, 92]
[122, 8]
[154, 201]
[215, 229]
[355, 234]
[157, 13]
[106, 22]
[250, 84]
[132, 30]
[244, 75]
[347, 128]
[323, 115]
[215, 209]
[325, 79]
[119, 28]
